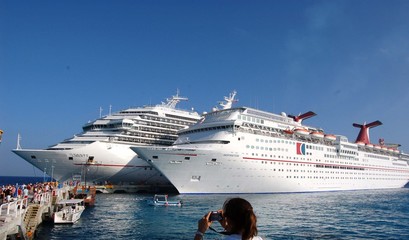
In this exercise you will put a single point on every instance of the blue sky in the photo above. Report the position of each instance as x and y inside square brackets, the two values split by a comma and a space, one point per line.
[60, 61]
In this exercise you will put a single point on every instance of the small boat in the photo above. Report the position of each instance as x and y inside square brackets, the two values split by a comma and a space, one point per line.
[68, 211]
[330, 137]
[162, 200]
[88, 194]
[301, 132]
[107, 188]
[317, 135]
[288, 131]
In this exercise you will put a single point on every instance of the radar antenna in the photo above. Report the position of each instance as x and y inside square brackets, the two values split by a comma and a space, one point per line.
[18, 141]
[172, 102]
[229, 101]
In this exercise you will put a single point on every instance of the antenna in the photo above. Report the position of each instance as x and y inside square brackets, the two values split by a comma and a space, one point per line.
[110, 109]
[171, 102]
[18, 141]
[100, 112]
[229, 101]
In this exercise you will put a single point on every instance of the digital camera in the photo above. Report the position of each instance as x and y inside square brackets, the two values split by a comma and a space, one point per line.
[215, 216]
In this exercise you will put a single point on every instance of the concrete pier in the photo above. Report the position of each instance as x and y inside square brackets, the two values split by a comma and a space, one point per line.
[19, 219]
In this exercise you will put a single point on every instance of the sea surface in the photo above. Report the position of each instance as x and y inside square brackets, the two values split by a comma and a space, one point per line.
[13, 180]
[374, 214]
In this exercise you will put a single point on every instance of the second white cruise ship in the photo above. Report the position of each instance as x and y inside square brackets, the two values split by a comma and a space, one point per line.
[245, 150]
[102, 151]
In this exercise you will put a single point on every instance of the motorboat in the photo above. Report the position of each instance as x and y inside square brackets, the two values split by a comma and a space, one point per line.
[162, 200]
[68, 210]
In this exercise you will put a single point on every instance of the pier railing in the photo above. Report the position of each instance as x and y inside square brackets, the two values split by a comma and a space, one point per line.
[42, 198]
[18, 207]
[15, 208]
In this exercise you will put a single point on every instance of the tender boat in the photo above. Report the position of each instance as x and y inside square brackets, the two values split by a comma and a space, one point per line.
[69, 210]
[330, 137]
[301, 132]
[87, 194]
[162, 200]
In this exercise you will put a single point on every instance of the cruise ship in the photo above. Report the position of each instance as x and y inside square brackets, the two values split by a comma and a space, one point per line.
[101, 153]
[245, 150]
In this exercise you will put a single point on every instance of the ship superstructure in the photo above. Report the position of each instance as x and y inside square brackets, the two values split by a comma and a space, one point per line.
[245, 150]
[102, 151]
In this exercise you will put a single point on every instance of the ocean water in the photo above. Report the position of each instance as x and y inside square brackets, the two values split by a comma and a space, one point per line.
[375, 214]
[6, 180]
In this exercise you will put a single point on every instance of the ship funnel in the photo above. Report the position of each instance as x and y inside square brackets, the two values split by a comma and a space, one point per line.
[363, 135]
[303, 116]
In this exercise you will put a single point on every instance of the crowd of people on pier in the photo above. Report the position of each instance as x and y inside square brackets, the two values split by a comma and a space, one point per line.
[11, 192]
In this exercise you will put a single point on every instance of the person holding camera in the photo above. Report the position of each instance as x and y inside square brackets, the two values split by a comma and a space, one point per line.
[237, 218]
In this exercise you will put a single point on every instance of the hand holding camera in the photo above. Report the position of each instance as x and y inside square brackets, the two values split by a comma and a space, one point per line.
[215, 216]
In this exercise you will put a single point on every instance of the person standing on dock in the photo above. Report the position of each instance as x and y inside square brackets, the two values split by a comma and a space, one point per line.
[25, 192]
[1, 195]
[7, 193]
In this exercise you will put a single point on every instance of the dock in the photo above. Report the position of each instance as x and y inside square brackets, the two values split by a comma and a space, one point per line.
[19, 219]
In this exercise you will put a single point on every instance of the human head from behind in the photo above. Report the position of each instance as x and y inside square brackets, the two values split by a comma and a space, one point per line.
[239, 220]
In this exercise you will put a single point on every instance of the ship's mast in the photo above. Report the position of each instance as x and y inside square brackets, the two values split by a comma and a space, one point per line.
[172, 102]
[18, 141]
[229, 101]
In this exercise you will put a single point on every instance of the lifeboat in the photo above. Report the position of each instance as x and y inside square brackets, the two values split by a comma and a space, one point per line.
[369, 145]
[288, 131]
[391, 150]
[330, 137]
[377, 147]
[384, 148]
[301, 132]
[395, 150]
[317, 135]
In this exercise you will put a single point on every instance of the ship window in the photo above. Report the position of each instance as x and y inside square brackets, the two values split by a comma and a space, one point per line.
[187, 158]
[213, 159]
[155, 157]
[33, 157]
[70, 158]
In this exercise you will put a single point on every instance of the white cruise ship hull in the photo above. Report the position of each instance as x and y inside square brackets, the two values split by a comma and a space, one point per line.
[95, 162]
[245, 150]
[232, 168]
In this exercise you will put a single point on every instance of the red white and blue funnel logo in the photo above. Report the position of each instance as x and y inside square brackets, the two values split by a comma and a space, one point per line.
[300, 148]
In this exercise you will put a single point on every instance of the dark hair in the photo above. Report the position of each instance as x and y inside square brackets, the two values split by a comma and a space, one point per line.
[241, 216]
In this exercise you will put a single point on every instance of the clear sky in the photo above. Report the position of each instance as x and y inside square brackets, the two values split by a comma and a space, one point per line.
[60, 61]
